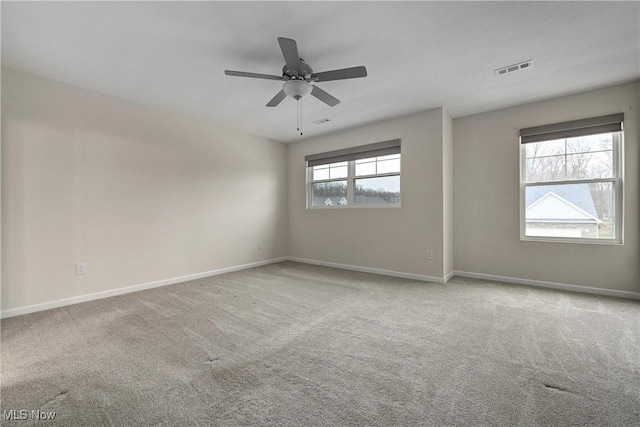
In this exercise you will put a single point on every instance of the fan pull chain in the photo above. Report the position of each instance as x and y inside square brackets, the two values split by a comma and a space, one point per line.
[299, 113]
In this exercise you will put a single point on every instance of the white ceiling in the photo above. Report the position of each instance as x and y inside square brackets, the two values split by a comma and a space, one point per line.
[419, 55]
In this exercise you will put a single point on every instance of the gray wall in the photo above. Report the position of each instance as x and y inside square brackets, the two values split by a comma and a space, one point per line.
[486, 196]
[139, 194]
[384, 238]
[143, 195]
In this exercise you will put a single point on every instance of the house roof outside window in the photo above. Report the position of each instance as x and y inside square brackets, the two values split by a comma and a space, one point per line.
[560, 203]
[329, 201]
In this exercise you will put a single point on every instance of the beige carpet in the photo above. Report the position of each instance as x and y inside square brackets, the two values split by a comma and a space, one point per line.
[298, 345]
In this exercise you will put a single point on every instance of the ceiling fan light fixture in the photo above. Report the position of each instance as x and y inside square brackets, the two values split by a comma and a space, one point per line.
[297, 89]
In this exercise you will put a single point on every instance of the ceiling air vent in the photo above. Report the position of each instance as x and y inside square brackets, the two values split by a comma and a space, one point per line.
[514, 67]
[321, 121]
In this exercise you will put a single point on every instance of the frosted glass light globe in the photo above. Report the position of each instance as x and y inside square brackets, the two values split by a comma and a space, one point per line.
[297, 89]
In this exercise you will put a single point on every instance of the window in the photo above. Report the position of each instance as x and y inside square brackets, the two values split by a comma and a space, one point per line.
[366, 176]
[571, 181]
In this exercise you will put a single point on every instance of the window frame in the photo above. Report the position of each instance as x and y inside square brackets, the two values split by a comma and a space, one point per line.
[351, 187]
[310, 183]
[616, 179]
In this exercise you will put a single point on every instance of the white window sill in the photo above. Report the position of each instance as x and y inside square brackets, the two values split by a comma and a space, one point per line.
[371, 206]
[570, 240]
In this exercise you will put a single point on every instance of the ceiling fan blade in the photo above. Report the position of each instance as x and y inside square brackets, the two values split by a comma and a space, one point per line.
[252, 75]
[324, 97]
[277, 99]
[345, 73]
[290, 52]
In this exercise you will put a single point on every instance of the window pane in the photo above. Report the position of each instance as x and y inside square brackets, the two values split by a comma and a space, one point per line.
[330, 171]
[329, 193]
[368, 168]
[389, 166]
[602, 142]
[389, 157]
[549, 168]
[574, 158]
[380, 190]
[570, 210]
[590, 165]
[320, 172]
[545, 148]
[378, 165]
[369, 159]
[338, 171]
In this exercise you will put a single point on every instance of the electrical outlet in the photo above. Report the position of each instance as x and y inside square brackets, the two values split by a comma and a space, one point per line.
[259, 245]
[429, 255]
[81, 268]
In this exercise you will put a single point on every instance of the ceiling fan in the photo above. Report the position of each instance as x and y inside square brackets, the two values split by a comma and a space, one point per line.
[298, 76]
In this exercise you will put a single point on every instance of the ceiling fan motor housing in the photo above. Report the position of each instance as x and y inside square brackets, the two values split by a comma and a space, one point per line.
[293, 74]
[297, 89]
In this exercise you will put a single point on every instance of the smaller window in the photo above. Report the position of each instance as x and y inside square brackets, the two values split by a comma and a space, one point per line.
[367, 176]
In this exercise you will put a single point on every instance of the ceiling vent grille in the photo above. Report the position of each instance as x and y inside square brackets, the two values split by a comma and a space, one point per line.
[512, 68]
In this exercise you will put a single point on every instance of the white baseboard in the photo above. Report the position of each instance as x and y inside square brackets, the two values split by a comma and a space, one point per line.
[135, 288]
[382, 272]
[128, 289]
[448, 276]
[471, 275]
[550, 285]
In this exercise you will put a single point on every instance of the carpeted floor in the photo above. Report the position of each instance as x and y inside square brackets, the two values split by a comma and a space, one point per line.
[299, 345]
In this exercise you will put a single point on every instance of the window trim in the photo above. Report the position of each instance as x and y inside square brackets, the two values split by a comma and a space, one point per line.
[356, 153]
[618, 194]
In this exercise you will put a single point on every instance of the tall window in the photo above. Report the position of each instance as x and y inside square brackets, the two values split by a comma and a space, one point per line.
[366, 176]
[571, 181]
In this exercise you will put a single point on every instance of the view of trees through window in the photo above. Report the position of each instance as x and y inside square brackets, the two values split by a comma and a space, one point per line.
[378, 190]
[559, 207]
[572, 159]
[375, 181]
[332, 190]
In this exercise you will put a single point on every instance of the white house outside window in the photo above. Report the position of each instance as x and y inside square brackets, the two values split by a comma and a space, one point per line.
[365, 176]
[571, 181]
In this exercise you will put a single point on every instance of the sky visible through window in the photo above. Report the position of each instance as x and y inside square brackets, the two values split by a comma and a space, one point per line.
[571, 208]
[376, 180]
